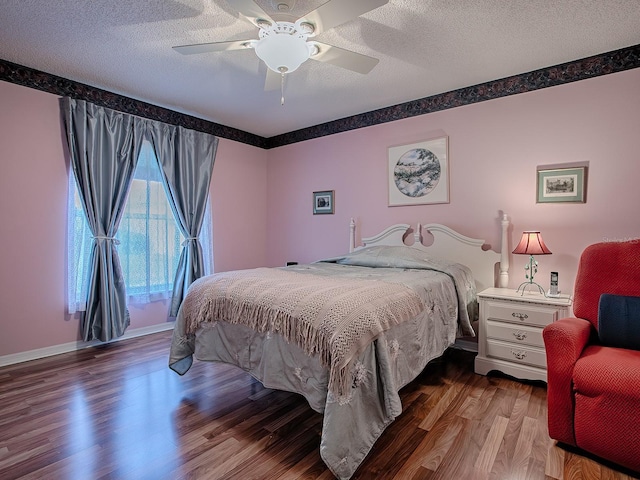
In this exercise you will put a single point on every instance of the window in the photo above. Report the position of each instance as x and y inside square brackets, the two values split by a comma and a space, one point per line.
[150, 240]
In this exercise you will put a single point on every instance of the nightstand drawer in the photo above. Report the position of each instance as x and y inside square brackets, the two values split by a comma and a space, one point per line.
[521, 314]
[517, 353]
[519, 334]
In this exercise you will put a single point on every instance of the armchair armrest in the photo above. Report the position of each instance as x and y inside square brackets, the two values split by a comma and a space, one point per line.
[564, 340]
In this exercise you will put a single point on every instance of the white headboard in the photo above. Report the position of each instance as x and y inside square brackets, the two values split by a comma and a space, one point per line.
[450, 245]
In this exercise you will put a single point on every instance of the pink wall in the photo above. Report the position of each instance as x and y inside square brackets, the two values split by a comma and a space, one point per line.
[262, 199]
[239, 194]
[33, 196]
[494, 148]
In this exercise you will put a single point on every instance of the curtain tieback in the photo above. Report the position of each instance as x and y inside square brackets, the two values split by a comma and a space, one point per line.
[187, 240]
[113, 239]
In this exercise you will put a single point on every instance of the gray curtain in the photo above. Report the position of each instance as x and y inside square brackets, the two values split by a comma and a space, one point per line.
[186, 159]
[104, 146]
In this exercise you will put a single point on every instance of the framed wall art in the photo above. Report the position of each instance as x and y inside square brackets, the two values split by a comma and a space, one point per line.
[419, 173]
[323, 202]
[561, 185]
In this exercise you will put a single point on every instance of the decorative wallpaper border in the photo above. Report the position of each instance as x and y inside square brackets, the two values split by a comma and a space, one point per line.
[603, 64]
[47, 82]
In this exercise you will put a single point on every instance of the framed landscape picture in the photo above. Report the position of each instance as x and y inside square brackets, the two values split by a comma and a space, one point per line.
[419, 173]
[562, 185]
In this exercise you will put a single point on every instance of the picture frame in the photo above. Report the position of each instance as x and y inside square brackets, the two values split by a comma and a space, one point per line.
[419, 173]
[562, 185]
[323, 202]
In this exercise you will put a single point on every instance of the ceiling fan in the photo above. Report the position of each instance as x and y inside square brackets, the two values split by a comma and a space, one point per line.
[283, 46]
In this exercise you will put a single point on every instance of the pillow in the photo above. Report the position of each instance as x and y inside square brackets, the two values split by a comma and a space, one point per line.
[619, 321]
[393, 256]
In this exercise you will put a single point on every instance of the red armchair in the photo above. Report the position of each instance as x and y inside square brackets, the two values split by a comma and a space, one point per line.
[593, 390]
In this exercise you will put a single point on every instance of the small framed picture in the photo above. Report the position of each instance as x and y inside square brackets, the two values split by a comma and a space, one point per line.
[323, 202]
[562, 185]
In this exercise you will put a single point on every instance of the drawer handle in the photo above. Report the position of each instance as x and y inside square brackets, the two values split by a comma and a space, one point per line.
[520, 335]
[521, 316]
[519, 354]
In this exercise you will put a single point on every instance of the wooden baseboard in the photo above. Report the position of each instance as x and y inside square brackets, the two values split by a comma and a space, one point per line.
[78, 345]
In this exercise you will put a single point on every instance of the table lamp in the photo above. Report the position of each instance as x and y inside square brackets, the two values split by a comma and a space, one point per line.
[531, 244]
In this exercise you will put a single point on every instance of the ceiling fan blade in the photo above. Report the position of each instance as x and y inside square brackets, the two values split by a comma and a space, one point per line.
[336, 12]
[214, 47]
[272, 81]
[344, 58]
[249, 9]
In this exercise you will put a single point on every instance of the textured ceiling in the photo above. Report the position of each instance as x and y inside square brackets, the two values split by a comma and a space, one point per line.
[425, 47]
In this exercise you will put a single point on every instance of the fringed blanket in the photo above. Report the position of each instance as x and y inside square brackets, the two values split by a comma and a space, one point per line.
[335, 318]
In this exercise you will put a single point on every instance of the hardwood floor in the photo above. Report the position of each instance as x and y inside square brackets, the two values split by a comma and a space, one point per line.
[118, 412]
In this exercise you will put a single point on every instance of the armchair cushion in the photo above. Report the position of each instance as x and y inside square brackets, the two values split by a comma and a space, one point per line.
[608, 371]
[619, 321]
[607, 267]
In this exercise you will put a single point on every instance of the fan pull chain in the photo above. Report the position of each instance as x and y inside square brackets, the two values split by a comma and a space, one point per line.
[282, 89]
[282, 71]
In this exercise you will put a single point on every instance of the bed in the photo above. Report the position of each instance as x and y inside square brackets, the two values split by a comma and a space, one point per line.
[347, 332]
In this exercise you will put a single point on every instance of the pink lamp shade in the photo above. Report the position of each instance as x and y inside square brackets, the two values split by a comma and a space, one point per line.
[531, 243]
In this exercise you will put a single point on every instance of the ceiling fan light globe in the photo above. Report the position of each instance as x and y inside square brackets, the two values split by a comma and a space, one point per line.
[280, 51]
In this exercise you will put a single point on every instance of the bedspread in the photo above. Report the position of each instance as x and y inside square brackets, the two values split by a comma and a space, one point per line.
[353, 419]
[333, 317]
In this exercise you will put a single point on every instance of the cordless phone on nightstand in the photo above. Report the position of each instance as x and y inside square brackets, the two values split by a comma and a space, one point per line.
[553, 288]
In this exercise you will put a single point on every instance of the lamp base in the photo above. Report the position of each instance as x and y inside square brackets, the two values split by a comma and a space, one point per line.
[524, 285]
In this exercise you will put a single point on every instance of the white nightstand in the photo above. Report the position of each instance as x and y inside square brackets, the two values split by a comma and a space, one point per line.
[510, 331]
